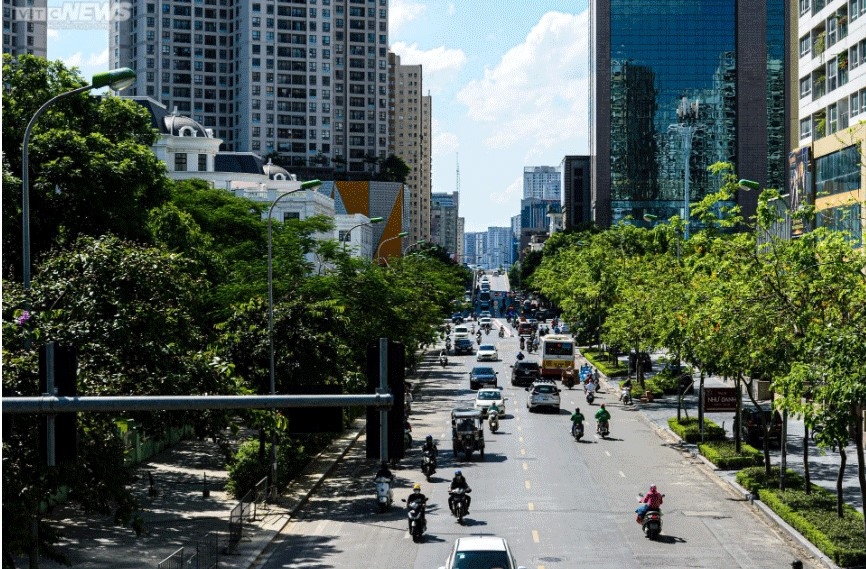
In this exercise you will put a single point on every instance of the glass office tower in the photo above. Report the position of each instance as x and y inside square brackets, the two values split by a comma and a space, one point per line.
[680, 85]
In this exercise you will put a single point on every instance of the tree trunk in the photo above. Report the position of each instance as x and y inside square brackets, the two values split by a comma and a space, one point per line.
[807, 476]
[843, 459]
[858, 445]
[738, 443]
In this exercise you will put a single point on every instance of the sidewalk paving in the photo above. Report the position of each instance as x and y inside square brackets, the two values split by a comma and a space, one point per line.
[823, 465]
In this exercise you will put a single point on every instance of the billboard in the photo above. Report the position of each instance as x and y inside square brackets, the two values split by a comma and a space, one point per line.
[720, 399]
[799, 186]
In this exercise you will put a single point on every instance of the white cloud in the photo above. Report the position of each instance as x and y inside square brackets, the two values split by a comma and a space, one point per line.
[539, 90]
[452, 9]
[98, 59]
[440, 64]
[93, 60]
[444, 143]
[513, 192]
[74, 60]
[402, 11]
[53, 34]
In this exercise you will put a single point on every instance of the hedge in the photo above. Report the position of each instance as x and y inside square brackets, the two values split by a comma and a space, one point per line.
[651, 385]
[724, 455]
[690, 431]
[814, 516]
[606, 367]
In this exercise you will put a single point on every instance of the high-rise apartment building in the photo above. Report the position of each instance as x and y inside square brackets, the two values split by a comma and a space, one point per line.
[576, 191]
[409, 139]
[542, 182]
[825, 166]
[25, 27]
[678, 85]
[443, 220]
[307, 80]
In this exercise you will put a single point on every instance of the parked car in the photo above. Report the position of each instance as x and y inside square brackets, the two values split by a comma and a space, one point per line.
[524, 373]
[487, 352]
[543, 393]
[752, 431]
[464, 346]
[481, 551]
[482, 377]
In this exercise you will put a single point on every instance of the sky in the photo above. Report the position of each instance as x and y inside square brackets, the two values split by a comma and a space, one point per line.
[508, 79]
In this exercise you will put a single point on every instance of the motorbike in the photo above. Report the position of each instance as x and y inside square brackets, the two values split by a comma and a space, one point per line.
[384, 494]
[522, 343]
[577, 431]
[448, 345]
[428, 465]
[625, 396]
[459, 507]
[590, 397]
[603, 429]
[407, 436]
[493, 421]
[417, 519]
[478, 337]
[652, 521]
[443, 361]
[568, 378]
[501, 332]
[487, 330]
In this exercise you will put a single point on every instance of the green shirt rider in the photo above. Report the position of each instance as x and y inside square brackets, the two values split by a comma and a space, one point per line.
[577, 418]
[602, 415]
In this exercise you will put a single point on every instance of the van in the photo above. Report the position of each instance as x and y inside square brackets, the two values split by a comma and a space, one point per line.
[461, 332]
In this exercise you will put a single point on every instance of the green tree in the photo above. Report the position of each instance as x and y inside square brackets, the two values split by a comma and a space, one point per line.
[91, 167]
[394, 169]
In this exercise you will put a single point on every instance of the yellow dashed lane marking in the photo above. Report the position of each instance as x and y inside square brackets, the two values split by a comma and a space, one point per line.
[535, 535]
[525, 466]
[531, 507]
[528, 484]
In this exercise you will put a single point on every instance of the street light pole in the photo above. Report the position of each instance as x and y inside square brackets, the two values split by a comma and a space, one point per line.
[348, 237]
[398, 236]
[420, 242]
[688, 125]
[304, 186]
[116, 79]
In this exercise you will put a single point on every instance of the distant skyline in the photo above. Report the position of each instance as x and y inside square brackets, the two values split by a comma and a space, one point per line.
[508, 78]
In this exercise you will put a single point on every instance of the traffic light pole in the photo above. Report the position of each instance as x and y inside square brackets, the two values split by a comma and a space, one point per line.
[49, 391]
[383, 391]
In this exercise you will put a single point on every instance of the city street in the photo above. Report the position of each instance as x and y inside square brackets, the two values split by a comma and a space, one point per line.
[559, 503]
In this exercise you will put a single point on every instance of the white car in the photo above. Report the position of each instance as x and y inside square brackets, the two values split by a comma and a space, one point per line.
[481, 551]
[487, 352]
[461, 332]
[488, 396]
[485, 321]
[543, 393]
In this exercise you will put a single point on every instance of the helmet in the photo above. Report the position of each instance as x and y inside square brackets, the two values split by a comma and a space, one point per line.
[577, 409]
[429, 438]
[652, 487]
[458, 473]
[602, 405]
[416, 487]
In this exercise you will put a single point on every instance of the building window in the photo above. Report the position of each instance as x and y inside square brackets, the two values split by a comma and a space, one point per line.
[202, 162]
[805, 45]
[806, 86]
[180, 162]
[805, 128]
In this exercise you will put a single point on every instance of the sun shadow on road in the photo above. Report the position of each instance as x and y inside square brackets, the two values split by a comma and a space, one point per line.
[670, 539]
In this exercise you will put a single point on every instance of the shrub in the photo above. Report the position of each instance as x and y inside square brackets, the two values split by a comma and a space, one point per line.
[608, 368]
[653, 386]
[724, 455]
[690, 431]
[813, 515]
[245, 469]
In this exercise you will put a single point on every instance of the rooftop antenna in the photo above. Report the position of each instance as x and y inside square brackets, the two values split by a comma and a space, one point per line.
[458, 172]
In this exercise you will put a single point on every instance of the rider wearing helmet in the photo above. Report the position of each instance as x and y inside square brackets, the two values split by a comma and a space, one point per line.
[602, 415]
[459, 481]
[429, 445]
[651, 501]
[416, 496]
[576, 419]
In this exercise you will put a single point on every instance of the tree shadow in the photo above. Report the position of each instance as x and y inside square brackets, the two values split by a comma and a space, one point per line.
[306, 550]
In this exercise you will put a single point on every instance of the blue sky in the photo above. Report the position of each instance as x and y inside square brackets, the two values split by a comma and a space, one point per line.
[509, 81]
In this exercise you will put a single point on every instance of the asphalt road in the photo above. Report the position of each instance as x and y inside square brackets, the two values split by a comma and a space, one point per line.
[559, 503]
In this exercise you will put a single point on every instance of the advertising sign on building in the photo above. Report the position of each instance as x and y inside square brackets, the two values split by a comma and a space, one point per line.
[720, 399]
[799, 186]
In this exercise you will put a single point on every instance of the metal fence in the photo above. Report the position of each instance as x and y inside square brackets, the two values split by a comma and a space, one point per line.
[244, 511]
[205, 555]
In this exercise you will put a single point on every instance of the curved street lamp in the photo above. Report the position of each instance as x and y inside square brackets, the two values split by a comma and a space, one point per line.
[419, 242]
[304, 186]
[348, 237]
[117, 80]
[398, 236]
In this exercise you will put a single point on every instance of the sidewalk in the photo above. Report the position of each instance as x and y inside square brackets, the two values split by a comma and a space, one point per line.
[179, 514]
[823, 465]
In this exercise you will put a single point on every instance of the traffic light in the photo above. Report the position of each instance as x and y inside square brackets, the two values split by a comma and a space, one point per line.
[65, 368]
[397, 387]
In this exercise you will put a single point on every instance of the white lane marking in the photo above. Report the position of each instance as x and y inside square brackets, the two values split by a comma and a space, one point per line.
[621, 473]
[531, 507]
[535, 535]
[520, 439]
[607, 453]
[525, 466]
[528, 484]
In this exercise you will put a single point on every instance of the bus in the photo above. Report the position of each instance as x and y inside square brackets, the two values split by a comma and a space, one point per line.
[557, 353]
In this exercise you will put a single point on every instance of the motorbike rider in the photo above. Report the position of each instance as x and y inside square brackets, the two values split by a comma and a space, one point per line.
[651, 501]
[417, 496]
[602, 415]
[501, 332]
[522, 343]
[459, 481]
[589, 386]
[429, 445]
[625, 385]
[577, 418]
[384, 472]
[493, 409]
[443, 357]
[520, 356]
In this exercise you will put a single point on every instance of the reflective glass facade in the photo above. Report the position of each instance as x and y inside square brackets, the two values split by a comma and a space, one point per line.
[658, 53]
